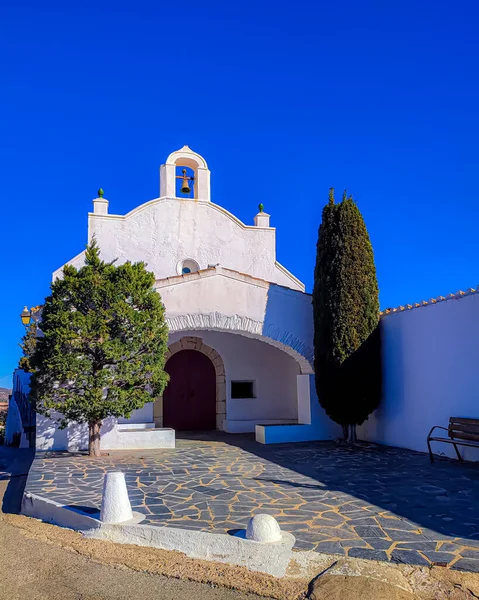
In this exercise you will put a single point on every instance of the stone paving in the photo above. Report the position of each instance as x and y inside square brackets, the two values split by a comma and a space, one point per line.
[367, 502]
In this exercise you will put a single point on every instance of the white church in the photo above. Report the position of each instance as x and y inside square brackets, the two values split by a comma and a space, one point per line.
[240, 355]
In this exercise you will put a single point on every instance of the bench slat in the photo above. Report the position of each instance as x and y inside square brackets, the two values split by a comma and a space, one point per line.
[458, 442]
[461, 427]
[461, 435]
[469, 430]
[464, 426]
[463, 420]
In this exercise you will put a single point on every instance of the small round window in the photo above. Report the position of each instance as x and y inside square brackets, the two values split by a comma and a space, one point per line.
[187, 266]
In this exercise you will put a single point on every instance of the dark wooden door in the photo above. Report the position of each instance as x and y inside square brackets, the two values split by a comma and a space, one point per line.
[189, 401]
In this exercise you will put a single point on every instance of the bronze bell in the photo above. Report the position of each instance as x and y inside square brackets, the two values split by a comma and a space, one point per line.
[185, 188]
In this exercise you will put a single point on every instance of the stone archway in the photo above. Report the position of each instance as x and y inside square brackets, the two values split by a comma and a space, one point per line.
[286, 341]
[196, 343]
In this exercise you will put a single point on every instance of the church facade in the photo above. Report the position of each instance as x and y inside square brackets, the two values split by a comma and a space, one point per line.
[240, 355]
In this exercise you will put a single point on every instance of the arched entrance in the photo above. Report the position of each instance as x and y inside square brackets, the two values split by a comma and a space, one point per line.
[196, 344]
[189, 401]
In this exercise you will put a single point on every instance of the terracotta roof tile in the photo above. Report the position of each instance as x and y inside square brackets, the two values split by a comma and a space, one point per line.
[459, 294]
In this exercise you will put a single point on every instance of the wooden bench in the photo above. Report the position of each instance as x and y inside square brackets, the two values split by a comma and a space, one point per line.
[461, 432]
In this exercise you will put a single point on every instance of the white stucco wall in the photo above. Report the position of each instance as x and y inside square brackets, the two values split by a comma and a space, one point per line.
[215, 291]
[13, 423]
[142, 415]
[165, 231]
[274, 372]
[431, 373]
[224, 300]
[318, 427]
[72, 438]
[140, 435]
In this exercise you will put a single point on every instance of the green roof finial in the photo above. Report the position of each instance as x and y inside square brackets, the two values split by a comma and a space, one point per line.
[100, 193]
[261, 207]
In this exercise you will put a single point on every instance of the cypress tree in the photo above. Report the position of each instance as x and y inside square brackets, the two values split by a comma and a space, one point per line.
[102, 352]
[346, 317]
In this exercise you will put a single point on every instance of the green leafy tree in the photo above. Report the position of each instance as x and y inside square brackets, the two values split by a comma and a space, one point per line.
[346, 317]
[28, 345]
[103, 347]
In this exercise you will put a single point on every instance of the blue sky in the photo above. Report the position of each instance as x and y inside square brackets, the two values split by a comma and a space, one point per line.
[285, 99]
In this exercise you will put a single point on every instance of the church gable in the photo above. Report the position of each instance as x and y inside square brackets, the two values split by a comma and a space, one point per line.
[175, 234]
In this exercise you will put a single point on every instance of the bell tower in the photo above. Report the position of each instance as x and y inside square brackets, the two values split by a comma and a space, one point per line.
[200, 179]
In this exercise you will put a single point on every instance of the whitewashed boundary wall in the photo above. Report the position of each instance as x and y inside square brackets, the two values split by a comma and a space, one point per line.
[431, 373]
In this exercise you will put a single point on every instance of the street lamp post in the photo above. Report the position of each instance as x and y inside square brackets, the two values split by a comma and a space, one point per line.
[25, 316]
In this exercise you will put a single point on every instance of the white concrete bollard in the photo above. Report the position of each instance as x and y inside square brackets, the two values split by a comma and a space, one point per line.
[115, 504]
[263, 528]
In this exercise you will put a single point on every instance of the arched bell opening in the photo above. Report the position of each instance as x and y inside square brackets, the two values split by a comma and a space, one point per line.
[185, 181]
[172, 172]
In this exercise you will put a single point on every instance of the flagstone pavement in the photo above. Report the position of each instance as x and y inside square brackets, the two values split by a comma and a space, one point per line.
[366, 501]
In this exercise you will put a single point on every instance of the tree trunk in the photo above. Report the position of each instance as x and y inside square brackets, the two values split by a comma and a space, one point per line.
[94, 438]
[345, 432]
[352, 434]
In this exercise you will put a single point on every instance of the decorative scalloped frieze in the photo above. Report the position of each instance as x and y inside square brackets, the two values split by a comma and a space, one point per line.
[284, 340]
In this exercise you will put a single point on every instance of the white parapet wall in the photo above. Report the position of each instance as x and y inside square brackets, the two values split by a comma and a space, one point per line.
[138, 436]
[315, 425]
[272, 558]
[249, 425]
[114, 436]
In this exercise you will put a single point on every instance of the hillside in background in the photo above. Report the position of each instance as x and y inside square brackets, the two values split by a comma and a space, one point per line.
[4, 393]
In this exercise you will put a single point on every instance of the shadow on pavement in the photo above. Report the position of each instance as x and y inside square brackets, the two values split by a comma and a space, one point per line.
[443, 497]
[15, 464]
